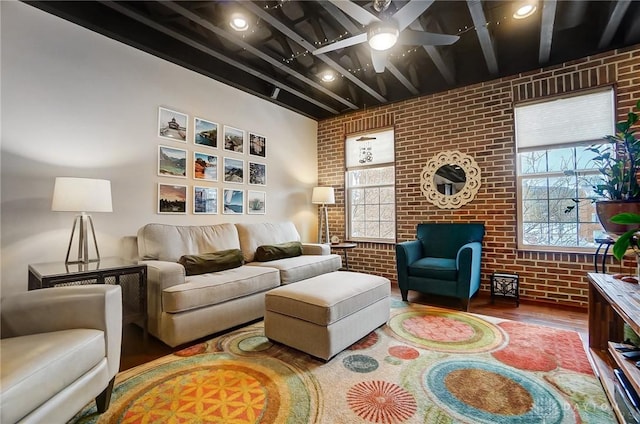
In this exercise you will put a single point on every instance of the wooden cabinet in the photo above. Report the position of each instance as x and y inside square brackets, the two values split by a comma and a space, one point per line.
[611, 304]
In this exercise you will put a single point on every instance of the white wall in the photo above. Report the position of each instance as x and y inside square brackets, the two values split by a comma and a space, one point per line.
[75, 103]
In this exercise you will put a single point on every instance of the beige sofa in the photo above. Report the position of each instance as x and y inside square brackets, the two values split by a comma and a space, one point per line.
[60, 349]
[184, 308]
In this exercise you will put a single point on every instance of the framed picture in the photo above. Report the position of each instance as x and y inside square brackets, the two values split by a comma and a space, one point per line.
[205, 166]
[257, 173]
[205, 200]
[233, 139]
[233, 171]
[172, 125]
[172, 162]
[205, 133]
[256, 202]
[172, 198]
[257, 145]
[233, 201]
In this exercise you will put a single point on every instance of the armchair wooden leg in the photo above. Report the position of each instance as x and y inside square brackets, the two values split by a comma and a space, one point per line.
[404, 294]
[465, 304]
[104, 398]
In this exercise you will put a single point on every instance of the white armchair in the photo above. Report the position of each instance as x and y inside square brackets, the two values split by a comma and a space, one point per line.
[59, 349]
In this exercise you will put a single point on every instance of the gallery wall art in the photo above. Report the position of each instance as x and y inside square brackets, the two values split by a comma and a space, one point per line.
[206, 167]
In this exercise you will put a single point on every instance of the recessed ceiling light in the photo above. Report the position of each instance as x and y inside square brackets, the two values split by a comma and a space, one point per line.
[327, 76]
[239, 22]
[525, 10]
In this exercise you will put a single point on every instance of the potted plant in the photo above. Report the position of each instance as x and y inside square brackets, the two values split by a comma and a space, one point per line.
[619, 167]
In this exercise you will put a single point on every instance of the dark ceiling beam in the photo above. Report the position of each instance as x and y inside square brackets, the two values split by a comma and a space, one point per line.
[633, 31]
[278, 64]
[479, 22]
[188, 41]
[546, 30]
[613, 23]
[261, 13]
[353, 29]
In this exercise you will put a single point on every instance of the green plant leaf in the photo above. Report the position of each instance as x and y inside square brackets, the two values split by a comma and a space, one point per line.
[626, 218]
[622, 244]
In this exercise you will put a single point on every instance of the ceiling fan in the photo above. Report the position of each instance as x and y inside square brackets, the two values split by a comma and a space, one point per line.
[382, 34]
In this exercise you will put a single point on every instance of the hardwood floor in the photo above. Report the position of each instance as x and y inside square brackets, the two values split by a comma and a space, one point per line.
[135, 353]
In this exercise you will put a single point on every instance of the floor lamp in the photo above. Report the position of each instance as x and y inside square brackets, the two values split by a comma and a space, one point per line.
[323, 196]
[82, 195]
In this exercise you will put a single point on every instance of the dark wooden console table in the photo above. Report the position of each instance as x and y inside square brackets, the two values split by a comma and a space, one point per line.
[612, 303]
[131, 276]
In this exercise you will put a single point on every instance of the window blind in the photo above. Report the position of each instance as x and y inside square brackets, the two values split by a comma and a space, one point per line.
[582, 118]
[373, 148]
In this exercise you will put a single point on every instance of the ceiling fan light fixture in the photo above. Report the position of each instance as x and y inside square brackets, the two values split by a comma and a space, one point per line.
[525, 10]
[239, 22]
[382, 37]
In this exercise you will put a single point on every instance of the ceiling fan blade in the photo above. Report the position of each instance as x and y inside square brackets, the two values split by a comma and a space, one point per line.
[356, 12]
[351, 41]
[410, 12]
[379, 60]
[422, 38]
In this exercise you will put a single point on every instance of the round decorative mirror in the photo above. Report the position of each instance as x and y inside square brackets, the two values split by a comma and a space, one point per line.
[450, 179]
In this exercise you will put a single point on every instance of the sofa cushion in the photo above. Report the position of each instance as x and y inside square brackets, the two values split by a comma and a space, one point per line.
[302, 267]
[436, 268]
[218, 287]
[254, 235]
[211, 261]
[169, 242]
[39, 366]
[272, 252]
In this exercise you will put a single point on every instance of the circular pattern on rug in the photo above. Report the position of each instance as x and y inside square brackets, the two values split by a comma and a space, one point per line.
[366, 342]
[254, 344]
[489, 393]
[216, 388]
[403, 352]
[381, 402]
[446, 331]
[360, 363]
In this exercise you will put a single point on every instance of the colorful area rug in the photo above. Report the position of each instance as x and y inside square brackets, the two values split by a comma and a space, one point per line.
[427, 365]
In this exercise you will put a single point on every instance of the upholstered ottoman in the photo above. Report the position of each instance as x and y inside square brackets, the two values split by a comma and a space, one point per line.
[325, 314]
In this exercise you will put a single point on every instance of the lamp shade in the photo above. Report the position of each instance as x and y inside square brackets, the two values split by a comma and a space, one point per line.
[323, 196]
[81, 195]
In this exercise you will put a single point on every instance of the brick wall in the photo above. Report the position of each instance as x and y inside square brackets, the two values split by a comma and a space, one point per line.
[476, 120]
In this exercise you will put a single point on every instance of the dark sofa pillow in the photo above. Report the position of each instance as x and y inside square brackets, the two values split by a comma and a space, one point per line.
[271, 252]
[211, 262]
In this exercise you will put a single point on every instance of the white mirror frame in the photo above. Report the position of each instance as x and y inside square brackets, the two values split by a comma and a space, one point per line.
[459, 199]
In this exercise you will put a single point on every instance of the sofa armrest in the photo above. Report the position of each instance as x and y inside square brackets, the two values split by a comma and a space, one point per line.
[468, 264]
[95, 306]
[316, 249]
[160, 275]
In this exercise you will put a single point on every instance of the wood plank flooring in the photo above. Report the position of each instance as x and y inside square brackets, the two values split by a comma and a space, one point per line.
[134, 352]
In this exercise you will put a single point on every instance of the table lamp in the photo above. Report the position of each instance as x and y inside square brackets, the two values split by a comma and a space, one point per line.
[323, 196]
[82, 195]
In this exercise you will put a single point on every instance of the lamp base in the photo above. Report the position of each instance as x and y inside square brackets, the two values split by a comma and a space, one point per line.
[83, 240]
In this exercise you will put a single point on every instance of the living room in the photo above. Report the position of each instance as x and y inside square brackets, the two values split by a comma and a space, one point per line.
[78, 104]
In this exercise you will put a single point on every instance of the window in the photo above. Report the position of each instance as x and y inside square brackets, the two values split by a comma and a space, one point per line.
[370, 184]
[555, 170]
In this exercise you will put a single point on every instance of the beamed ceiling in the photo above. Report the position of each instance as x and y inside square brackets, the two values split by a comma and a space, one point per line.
[274, 59]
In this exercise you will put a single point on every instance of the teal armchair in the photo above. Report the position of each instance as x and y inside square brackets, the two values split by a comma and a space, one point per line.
[444, 260]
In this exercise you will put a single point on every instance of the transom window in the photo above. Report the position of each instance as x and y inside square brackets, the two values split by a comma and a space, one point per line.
[370, 184]
[555, 171]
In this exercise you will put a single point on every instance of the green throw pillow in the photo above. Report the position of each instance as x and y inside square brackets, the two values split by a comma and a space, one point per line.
[211, 262]
[271, 252]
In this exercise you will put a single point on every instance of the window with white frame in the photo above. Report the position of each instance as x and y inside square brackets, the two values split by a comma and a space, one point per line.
[370, 186]
[555, 171]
